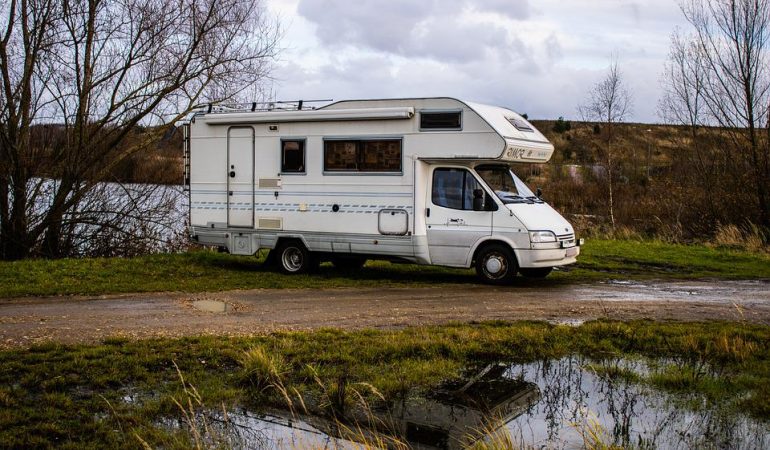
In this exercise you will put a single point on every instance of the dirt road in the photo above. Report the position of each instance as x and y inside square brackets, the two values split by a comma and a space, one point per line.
[24, 321]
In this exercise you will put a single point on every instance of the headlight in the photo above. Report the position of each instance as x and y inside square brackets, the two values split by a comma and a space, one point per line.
[542, 236]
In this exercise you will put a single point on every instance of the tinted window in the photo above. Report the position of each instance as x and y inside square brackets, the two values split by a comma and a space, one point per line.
[449, 120]
[293, 156]
[453, 188]
[371, 155]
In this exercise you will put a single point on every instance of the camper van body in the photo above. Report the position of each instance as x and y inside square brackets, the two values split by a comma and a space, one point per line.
[388, 179]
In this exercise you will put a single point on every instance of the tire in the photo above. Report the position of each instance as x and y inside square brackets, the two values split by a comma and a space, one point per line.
[496, 264]
[349, 263]
[293, 258]
[537, 272]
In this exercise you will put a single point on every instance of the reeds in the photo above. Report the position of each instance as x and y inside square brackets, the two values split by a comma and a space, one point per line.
[748, 237]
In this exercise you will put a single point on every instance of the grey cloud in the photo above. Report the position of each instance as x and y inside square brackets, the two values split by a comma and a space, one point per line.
[514, 9]
[404, 48]
[428, 29]
[542, 97]
[452, 41]
[636, 12]
[381, 25]
[553, 48]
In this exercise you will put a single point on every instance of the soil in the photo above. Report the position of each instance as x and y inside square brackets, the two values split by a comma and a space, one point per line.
[90, 319]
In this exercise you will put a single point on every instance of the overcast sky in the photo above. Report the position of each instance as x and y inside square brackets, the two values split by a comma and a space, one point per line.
[538, 57]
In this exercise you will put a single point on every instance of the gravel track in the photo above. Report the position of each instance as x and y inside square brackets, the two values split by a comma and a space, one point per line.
[89, 319]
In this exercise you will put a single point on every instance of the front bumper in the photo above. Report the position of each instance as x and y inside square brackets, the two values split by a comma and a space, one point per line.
[550, 254]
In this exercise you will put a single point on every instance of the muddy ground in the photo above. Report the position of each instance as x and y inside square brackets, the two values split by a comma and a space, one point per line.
[25, 321]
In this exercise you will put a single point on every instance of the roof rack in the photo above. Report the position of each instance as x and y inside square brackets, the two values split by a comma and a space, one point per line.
[279, 105]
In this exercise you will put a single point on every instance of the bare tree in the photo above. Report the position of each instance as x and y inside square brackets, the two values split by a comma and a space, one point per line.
[725, 81]
[100, 71]
[683, 82]
[608, 102]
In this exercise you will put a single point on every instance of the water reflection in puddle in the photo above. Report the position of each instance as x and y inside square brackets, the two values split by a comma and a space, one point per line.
[576, 400]
[550, 404]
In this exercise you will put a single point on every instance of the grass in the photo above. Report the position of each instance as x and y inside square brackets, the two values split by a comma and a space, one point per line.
[208, 271]
[104, 396]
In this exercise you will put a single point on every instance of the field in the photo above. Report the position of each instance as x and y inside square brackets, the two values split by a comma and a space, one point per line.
[177, 392]
[120, 393]
[200, 271]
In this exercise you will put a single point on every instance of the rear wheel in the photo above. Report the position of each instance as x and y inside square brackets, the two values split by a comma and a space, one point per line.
[348, 263]
[496, 264]
[294, 258]
[537, 272]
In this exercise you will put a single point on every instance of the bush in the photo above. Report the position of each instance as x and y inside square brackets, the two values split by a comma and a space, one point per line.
[562, 125]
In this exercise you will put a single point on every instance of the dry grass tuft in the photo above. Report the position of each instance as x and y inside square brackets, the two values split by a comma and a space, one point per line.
[262, 369]
[736, 348]
[749, 237]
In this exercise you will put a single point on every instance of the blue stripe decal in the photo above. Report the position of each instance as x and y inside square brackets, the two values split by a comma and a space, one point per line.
[332, 194]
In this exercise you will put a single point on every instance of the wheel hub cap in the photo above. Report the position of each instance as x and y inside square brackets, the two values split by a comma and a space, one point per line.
[292, 259]
[494, 265]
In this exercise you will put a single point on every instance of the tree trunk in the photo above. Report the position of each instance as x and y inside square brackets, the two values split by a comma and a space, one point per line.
[17, 243]
[51, 247]
[4, 219]
[611, 200]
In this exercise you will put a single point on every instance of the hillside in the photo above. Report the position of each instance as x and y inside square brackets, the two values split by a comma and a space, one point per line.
[663, 184]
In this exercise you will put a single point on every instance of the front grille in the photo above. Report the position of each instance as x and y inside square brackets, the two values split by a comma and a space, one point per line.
[566, 240]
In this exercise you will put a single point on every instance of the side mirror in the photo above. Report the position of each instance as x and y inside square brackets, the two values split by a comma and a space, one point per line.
[539, 193]
[478, 200]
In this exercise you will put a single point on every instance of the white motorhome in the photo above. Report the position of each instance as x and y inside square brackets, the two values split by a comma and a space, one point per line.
[422, 180]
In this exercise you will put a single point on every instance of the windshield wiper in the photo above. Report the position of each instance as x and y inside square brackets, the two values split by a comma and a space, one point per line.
[513, 198]
[535, 199]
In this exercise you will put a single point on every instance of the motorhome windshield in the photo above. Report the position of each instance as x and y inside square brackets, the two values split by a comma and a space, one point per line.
[507, 186]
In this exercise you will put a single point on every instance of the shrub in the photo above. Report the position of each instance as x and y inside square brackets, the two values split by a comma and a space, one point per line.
[562, 125]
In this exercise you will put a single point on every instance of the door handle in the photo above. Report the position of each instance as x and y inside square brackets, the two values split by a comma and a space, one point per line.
[457, 221]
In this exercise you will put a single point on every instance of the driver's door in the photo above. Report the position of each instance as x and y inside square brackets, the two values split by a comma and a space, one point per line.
[453, 227]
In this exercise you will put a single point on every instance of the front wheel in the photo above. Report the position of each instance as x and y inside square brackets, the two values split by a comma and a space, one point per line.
[496, 264]
[537, 272]
[294, 258]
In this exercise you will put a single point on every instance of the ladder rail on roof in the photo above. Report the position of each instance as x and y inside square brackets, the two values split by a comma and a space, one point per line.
[279, 105]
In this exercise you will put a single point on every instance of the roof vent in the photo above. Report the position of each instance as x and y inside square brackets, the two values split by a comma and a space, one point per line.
[520, 124]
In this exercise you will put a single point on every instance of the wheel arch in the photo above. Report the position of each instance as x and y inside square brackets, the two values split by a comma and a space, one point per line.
[291, 237]
[487, 241]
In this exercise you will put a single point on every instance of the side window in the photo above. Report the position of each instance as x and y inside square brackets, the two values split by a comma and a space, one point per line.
[453, 188]
[293, 156]
[440, 120]
[365, 155]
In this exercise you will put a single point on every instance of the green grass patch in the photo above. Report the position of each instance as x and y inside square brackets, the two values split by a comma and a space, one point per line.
[208, 271]
[100, 396]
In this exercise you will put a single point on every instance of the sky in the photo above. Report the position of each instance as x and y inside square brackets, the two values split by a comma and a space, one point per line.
[538, 57]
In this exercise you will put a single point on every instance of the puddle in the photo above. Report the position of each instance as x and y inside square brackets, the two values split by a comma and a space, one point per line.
[212, 306]
[548, 404]
[725, 292]
[576, 401]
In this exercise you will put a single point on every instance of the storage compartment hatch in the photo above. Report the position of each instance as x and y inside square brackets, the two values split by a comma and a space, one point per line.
[393, 222]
